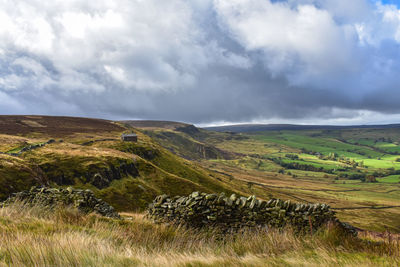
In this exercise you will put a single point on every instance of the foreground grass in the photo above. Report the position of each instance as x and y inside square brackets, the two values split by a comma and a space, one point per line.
[38, 237]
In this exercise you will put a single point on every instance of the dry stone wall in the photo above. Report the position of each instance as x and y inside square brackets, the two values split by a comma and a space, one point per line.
[29, 148]
[83, 200]
[230, 213]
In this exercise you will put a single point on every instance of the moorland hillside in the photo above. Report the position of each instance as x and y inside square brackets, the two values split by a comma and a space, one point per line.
[88, 153]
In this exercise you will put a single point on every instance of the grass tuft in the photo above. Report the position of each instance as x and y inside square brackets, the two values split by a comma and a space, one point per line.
[36, 236]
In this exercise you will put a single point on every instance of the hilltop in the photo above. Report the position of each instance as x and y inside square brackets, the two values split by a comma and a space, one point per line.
[54, 126]
[155, 124]
[247, 128]
[185, 140]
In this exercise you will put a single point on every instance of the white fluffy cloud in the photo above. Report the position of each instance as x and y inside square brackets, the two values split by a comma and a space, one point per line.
[199, 61]
[298, 42]
[314, 43]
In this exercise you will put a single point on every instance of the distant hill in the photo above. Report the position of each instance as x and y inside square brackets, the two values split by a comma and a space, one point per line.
[55, 126]
[246, 128]
[185, 140]
[155, 124]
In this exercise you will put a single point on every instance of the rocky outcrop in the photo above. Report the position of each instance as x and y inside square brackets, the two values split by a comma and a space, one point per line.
[103, 178]
[211, 152]
[83, 200]
[148, 153]
[99, 175]
[188, 129]
[187, 147]
[232, 213]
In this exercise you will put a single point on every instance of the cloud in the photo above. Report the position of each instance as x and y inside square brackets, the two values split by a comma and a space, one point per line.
[296, 42]
[200, 61]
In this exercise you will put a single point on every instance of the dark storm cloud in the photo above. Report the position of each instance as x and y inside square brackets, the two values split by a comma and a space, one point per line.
[201, 61]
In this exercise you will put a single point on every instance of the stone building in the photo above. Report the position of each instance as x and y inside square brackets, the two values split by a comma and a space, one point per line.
[129, 137]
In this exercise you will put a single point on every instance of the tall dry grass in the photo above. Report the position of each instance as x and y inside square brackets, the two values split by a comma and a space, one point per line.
[35, 236]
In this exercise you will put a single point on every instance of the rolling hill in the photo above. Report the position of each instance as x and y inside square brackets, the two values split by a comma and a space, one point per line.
[185, 140]
[355, 170]
[88, 153]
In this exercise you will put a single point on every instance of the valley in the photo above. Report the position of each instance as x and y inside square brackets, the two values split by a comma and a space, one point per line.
[354, 170]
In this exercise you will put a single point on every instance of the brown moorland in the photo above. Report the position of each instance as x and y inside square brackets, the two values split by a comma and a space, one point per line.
[54, 126]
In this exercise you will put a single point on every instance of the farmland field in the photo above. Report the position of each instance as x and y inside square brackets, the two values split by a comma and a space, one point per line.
[355, 171]
[357, 176]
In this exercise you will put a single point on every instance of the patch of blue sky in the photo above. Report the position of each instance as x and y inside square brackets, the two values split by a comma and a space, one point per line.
[389, 2]
[385, 2]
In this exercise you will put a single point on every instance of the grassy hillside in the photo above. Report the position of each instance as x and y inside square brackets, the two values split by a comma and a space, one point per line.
[89, 154]
[36, 236]
[354, 170]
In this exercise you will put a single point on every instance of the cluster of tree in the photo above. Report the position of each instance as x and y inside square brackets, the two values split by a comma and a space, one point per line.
[330, 156]
[292, 156]
[389, 171]
[351, 162]
[354, 176]
[298, 166]
[310, 152]
[370, 179]
[383, 139]
[335, 157]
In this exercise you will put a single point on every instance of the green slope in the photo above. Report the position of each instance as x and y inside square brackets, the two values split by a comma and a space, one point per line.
[126, 174]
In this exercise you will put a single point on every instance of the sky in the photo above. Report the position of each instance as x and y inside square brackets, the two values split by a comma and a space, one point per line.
[392, 2]
[207, 62]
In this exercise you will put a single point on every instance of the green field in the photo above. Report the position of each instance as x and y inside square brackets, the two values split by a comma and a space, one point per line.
[311, 143]
[390, 179]
[359, 177]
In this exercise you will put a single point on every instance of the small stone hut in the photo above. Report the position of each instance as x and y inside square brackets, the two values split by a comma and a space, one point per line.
[129, 137]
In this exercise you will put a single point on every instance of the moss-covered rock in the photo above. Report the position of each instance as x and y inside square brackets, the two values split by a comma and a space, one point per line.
[83, 200]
